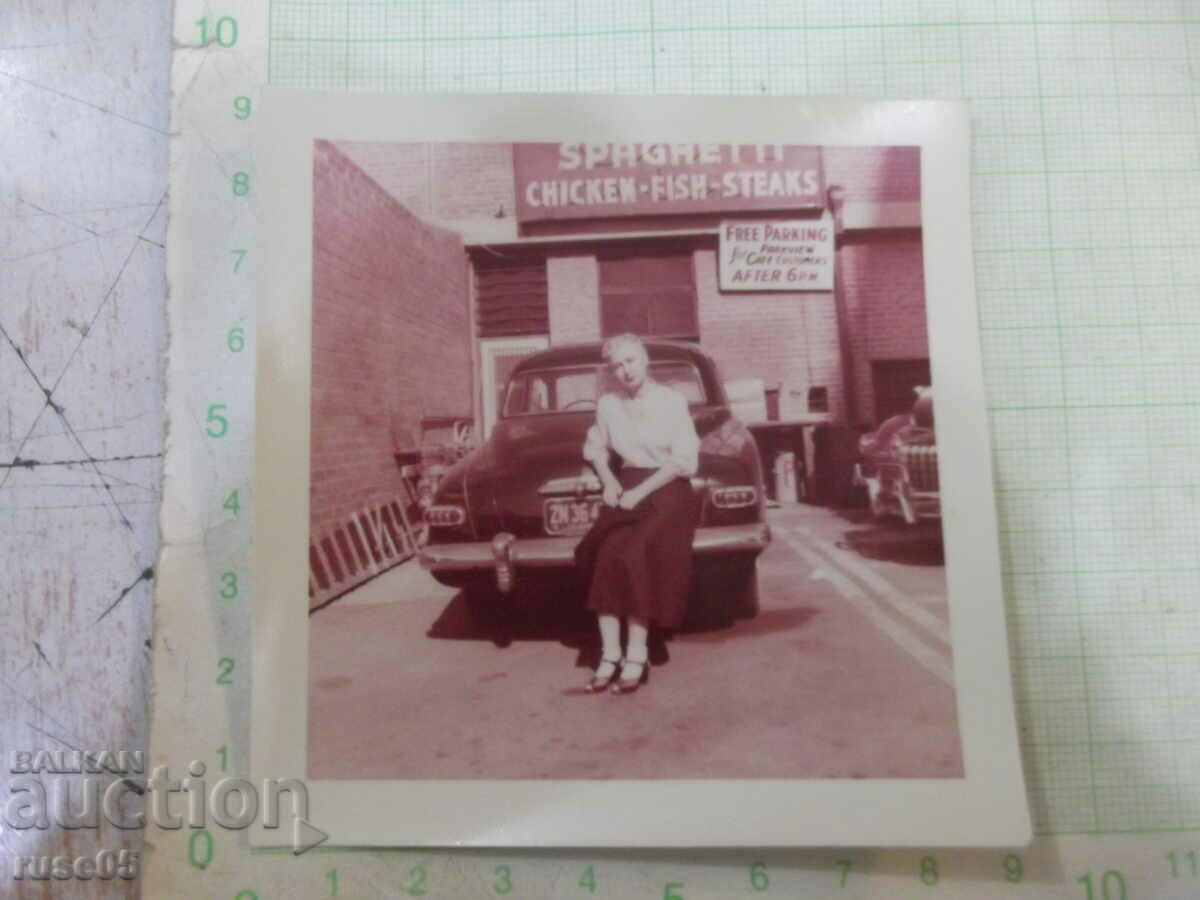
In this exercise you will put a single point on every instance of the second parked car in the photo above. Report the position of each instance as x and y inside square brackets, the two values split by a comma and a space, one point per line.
[899, 467]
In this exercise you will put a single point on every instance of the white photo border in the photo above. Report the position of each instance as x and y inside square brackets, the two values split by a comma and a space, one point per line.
[987, 807]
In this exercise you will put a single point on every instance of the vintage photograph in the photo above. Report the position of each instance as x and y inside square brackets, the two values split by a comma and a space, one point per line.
[622, 475]
[623, 464]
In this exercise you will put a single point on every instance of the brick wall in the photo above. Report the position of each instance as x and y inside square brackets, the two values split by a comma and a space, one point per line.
[783, 338]
[391, 341]
[875, 174]
[884, 283]
[573, 284]
[444, 183]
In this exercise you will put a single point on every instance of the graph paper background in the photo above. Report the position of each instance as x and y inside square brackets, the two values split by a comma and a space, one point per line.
[1087, 222]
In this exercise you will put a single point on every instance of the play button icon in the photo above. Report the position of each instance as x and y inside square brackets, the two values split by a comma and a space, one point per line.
[305, 837]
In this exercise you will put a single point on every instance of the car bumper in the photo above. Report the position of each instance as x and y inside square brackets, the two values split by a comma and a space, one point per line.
[896, 492]
[922, 507]
[505, 554]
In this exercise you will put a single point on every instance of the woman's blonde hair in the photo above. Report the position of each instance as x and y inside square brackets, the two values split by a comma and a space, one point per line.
[626, 337]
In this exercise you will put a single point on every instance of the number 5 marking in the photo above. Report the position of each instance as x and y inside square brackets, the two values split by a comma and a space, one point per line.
[218, 425]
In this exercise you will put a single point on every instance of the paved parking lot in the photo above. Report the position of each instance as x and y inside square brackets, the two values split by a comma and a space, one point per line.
[844, 673]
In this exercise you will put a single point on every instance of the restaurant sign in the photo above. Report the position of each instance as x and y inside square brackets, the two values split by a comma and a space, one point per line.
[777, 255]
[601, 181]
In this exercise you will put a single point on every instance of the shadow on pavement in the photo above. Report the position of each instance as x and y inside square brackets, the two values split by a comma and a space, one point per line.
[891, 540]
[543, 617]
[546, 617]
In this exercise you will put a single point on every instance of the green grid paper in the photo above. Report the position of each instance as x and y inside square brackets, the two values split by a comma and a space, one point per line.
[1087, 223]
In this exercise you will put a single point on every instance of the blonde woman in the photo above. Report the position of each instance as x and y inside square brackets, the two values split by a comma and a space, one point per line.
[636, 559]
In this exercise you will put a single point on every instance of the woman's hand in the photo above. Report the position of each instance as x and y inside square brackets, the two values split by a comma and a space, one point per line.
[611, 494]
[631, 498]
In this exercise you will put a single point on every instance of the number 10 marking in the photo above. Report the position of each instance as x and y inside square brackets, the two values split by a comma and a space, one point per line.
[225, 33]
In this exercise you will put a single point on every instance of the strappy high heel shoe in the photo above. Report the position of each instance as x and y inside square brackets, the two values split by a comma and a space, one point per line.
[603, 676]
[633, 675]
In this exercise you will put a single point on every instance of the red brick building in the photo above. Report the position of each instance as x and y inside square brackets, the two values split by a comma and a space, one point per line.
[436, 266]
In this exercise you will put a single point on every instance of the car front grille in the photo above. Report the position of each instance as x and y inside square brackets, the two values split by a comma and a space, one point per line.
[921, 463]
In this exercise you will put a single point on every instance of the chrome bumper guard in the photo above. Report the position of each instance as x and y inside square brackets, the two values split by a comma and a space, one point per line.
[505, 553]
[921, 506]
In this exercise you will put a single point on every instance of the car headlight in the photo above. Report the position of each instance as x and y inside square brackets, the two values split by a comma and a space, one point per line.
[734, 497]
[445, 515]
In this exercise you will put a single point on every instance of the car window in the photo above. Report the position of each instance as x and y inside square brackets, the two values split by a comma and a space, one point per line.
[575, 388]
[682, 376]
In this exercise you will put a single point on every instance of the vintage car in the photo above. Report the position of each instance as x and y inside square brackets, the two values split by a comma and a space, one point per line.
[509, 515]
[898, 464]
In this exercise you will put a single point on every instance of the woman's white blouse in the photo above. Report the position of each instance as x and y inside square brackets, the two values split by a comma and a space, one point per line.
[648, 432]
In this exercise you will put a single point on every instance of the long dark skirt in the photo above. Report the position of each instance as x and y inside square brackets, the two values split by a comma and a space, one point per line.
[637, 562]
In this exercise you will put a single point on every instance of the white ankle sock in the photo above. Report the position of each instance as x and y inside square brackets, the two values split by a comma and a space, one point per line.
[610, 638]
[637, 652]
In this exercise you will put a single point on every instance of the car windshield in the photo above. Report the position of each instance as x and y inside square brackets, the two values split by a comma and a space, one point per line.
[575, 388]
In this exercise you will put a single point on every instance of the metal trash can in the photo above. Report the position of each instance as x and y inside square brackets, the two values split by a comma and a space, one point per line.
[785, 477]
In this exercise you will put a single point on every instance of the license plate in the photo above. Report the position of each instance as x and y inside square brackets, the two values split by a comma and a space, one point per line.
[570, 516]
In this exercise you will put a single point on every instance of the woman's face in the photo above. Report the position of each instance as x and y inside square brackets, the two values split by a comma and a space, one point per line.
[627, 362]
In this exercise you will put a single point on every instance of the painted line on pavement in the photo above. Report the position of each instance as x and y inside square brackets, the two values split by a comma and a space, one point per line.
[883, 588]
[857, 597]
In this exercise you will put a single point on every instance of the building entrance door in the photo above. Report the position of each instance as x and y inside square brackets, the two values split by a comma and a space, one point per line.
[498, 357]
